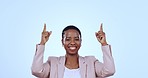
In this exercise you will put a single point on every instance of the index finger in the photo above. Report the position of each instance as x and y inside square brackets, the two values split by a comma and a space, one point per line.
[44, 30]
[101, 27]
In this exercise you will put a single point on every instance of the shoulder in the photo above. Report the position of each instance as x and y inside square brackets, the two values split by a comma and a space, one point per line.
[89, 58]
[54, 58]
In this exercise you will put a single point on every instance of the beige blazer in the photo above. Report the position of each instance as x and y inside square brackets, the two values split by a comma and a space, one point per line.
[90, 67]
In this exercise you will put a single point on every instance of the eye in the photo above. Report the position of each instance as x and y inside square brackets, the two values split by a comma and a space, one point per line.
[77, 39]
[67, 39]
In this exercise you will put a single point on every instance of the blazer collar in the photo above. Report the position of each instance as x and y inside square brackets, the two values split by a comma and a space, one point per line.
[82, 66]
[61, 66]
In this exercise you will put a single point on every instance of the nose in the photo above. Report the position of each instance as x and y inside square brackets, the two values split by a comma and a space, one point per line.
[72, 42]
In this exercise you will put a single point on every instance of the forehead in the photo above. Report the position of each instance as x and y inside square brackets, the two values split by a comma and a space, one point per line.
[71, 32]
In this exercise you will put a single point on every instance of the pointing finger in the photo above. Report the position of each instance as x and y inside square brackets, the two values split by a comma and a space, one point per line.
[44, 30]
[101, 27]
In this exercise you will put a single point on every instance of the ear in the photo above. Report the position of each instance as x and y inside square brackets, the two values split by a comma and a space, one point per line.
[80, 42]
[62, 42]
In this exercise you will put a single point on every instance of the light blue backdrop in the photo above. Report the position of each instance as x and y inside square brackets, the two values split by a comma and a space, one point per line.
[125, 23]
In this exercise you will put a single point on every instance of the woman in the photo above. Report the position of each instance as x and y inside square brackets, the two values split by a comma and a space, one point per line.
[72, 65]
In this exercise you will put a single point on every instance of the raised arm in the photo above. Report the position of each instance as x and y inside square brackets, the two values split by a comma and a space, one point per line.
[40, 69]
[107, 68]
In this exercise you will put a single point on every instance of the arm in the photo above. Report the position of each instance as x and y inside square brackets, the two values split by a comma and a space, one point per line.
[39, 68]
[107, 68]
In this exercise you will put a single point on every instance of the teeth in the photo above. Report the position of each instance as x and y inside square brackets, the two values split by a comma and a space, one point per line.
[72, 48]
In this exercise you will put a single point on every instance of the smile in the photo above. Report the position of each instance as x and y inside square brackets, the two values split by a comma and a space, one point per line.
[72, 47]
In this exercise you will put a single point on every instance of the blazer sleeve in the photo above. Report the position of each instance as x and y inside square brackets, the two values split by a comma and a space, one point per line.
[40, 69]
[107, 68]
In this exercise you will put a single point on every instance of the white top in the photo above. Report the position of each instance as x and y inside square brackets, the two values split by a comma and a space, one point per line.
[72, 73]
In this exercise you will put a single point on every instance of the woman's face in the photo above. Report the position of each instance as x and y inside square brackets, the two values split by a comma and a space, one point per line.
[71, 41]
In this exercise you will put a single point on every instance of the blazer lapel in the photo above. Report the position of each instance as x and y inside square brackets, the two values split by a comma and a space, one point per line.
[82, 64]
[83, 67]
[61, 67]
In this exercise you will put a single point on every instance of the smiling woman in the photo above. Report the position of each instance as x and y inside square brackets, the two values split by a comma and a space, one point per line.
[71, 40]
[72, 65]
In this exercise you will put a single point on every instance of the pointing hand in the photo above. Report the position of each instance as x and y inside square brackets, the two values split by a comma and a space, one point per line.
[45, 36]
[100, 35]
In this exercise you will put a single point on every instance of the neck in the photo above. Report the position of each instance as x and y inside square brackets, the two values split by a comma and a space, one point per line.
[72, 61]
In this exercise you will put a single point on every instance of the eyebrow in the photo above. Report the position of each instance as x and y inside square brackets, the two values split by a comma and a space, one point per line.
[77, 37]
[74, 37]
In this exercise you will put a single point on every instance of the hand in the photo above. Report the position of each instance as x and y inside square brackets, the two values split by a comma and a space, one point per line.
[45, 36]
[101, 36]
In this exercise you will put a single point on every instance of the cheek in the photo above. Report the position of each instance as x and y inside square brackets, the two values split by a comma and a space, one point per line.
[78, 43]
[65, 43]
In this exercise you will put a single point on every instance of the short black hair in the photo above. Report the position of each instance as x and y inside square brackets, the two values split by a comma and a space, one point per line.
[70, 27]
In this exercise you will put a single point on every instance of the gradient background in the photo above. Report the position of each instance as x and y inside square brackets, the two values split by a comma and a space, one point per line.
[125, 23]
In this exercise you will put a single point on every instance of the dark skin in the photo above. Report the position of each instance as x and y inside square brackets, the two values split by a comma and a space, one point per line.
[72, 43]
